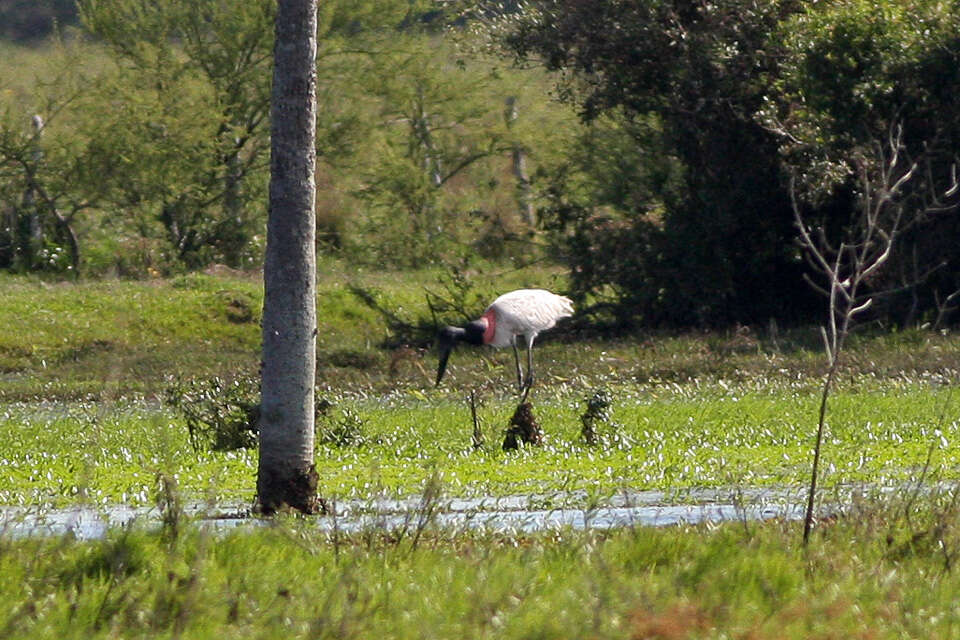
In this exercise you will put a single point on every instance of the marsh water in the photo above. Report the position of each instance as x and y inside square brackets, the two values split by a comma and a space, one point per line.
[530, 513]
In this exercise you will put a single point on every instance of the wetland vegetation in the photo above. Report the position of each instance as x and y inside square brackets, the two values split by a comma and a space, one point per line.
[84, 423]
[84, 416]
[657, 179]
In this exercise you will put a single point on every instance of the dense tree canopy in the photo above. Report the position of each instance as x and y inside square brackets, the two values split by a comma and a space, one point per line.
[865, 94]
[746, 94]
[719, 248]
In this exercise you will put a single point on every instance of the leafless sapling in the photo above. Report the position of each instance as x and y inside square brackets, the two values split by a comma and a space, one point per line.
[895, 192]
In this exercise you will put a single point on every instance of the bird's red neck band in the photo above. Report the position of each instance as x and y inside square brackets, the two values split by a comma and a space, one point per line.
[490, 317]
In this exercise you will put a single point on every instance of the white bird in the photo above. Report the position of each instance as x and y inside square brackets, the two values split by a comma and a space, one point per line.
[524, 312]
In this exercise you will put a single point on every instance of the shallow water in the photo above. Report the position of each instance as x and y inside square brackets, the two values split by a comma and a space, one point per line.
[528, 513]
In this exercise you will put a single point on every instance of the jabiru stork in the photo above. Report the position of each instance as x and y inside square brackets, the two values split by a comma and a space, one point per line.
[521, 313]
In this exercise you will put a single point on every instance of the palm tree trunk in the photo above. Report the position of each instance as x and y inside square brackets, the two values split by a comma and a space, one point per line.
[287, 476]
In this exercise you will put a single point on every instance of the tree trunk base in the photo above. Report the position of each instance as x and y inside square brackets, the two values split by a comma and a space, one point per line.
[294, 490]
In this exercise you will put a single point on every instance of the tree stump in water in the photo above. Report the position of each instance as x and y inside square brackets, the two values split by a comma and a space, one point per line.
[523, 428]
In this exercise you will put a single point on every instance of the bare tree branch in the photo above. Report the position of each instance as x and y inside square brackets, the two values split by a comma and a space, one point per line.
[884, 183]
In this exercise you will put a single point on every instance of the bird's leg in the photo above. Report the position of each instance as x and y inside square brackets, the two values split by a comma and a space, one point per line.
[523, 396]
[516, 356]
[529, 380]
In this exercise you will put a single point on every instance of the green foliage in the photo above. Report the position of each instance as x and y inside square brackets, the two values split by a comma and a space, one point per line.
[157, 137]
[597, 425]
[711, 214]
[343, 428]
[738, 90]
[853, 69]
[211, 60]
[859, 99]
[850, 73]
[219, 415]
[438, 183]
[603, 208]
[670, 207]
[290, 580]
[51, 167]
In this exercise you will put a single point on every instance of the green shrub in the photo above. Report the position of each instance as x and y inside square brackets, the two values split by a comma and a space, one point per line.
[220, 415]
[343, 430]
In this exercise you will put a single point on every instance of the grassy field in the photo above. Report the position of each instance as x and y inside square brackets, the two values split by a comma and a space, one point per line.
[84, 368]
[59, 454]
[871, 575]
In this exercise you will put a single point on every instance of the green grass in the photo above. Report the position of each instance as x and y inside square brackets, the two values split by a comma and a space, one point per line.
[112, 339]
[66, 453]
[871, 575]
[83, 368]
[68, 340]
[85, 363]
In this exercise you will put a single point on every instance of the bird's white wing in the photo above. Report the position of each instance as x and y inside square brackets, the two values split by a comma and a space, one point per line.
[528, 311]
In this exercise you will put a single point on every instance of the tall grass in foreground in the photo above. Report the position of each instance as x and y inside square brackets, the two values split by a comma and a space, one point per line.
[884, 570]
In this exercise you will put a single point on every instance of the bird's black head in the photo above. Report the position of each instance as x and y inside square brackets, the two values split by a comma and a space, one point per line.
[446, 340]
[449, 336]
[471, 333]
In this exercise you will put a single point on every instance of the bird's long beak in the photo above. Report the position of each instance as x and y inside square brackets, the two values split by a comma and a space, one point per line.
[445, 350]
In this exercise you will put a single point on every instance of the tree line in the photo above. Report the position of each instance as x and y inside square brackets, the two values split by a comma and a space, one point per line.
[148, 154]
[714, 122]
[661, 150]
